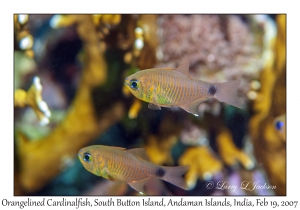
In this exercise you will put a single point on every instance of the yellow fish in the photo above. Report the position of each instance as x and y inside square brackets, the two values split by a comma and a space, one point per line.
[131, 166]
[280, 126]
[166, 87]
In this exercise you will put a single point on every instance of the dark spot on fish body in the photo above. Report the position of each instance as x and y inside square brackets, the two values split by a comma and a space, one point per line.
[212, 90]
[160, 172]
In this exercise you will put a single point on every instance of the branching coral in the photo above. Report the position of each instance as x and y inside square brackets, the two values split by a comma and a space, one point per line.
[33, 98]
[270, 103]
[203, 164]
[230, 153]
[135, 108]
[159, 150]
[24, 38]
[41, 160]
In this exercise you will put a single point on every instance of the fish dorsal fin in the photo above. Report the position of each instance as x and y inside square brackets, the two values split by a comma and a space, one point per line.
[154, 106]
[139, 185]
[193, 107]
[139, 152]
[184, 68]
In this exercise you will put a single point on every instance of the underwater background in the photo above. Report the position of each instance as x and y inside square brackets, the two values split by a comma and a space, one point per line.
[69, 93]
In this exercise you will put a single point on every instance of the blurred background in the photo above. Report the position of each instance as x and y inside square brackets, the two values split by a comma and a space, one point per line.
[69, 73]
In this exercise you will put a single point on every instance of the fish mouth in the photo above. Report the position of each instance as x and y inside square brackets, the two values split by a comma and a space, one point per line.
[126, 82]
[79, 154]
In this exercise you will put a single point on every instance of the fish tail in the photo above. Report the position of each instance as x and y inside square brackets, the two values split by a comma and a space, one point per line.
[227, 92]
[173, 175]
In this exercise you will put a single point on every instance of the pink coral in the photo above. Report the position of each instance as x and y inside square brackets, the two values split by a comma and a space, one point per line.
[218, 47]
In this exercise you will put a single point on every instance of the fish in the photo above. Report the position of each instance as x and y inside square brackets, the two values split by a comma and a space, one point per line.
[130, 166]
[280, 126]
[168, 87]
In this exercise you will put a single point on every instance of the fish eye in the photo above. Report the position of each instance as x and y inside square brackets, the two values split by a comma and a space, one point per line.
[279, 125]
[87, 157]
[134, 84]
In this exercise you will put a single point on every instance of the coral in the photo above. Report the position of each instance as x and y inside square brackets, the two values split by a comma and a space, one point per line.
[135, 108]
[147, 56]
[23, 66]
[230, 153]
[41, 160]
[159, 149]
[219, 48]
[270, 150]
[106, 20]
[24, 38]
[33, 98]
[203, 164]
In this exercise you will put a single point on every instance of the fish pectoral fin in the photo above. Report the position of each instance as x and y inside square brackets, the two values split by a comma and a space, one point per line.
[139, 152]
[193, 107]
[154, 106]
[184, 68]
[139, 185]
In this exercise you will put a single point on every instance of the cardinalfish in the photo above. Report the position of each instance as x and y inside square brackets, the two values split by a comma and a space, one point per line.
[166, 87]
[280, 126]
[131, 166]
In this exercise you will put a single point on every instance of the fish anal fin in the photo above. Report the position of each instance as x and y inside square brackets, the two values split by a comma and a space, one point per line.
[154, 106]
[184, 68]
[139, 152]
[139, 185]
[193, 106]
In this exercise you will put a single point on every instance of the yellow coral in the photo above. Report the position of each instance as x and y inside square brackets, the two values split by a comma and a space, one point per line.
[230, 153]
[36, 167]
[96, 19]
[135, 108]
[111, 19]
[203, 164]
[270, 149]
[58, 21]
[159, 150]
[33, 98]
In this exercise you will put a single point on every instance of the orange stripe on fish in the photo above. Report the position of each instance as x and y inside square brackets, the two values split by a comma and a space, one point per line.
[131, 166]
[175, 87]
